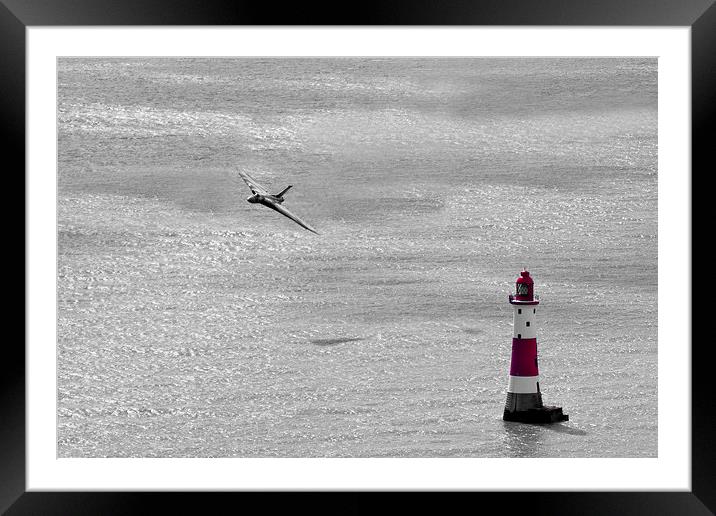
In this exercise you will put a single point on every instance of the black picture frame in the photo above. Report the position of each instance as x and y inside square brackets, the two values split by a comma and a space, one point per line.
[17, 15]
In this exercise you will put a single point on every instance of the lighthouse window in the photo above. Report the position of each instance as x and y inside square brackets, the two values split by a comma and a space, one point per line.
[527, 323]
[519, 310]
[522, 289]
[534, 310]
[519, 335]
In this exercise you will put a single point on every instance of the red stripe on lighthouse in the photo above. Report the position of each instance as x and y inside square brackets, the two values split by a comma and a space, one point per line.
[524, 357]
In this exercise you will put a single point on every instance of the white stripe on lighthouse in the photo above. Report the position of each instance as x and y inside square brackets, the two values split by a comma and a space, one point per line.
[524, 322]
[522, 384]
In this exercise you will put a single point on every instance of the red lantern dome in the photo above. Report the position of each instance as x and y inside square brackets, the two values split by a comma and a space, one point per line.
[524, 290]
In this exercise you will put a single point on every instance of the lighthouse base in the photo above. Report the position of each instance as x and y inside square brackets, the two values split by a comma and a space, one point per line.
[544, 414]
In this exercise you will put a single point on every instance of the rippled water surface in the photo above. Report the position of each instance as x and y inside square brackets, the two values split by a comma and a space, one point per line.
[194, 324]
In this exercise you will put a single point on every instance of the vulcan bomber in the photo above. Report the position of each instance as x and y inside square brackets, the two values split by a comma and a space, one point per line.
[273, 201]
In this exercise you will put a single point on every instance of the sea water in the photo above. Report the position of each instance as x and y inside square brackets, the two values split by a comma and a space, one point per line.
[194, 324]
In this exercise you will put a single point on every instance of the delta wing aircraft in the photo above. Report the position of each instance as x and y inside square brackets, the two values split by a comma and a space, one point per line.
[275, 202]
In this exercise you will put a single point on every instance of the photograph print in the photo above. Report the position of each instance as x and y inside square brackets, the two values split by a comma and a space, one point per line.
[356, 257]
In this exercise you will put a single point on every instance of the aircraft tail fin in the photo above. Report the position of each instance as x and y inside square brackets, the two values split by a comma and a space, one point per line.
[284, 191]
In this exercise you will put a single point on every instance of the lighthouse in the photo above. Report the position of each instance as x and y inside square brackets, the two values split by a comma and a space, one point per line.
[524, 399]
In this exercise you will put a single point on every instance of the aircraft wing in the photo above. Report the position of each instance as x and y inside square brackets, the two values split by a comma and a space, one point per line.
[256, 188]
[283, 211]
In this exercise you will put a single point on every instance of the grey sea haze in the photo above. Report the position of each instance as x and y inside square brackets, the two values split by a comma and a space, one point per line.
[194, 324]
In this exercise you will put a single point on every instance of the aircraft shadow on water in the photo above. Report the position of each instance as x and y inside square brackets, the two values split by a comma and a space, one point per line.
[275, 202]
